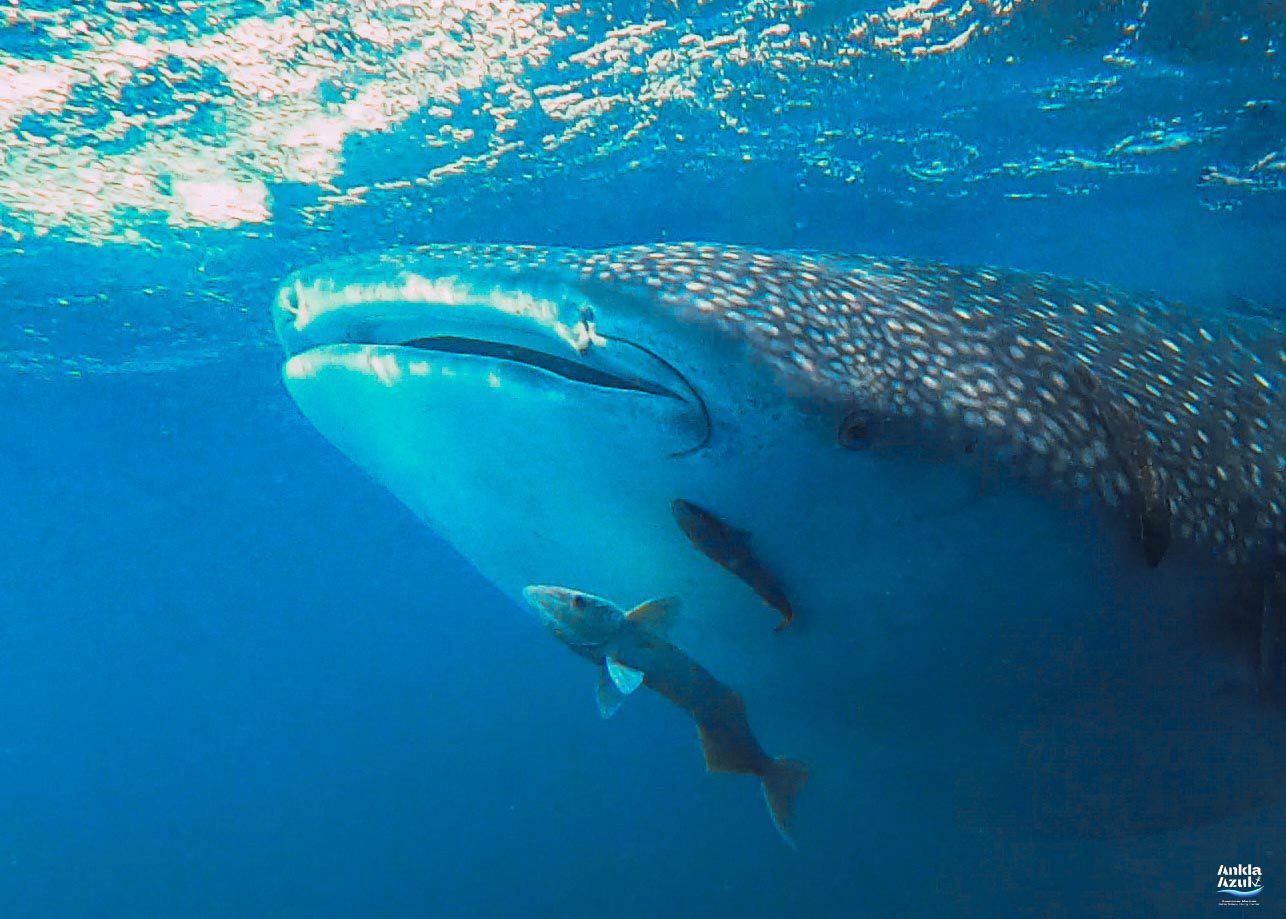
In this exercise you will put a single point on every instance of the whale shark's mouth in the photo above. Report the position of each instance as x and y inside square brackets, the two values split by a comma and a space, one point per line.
[536, 322]
[567, 368]
[520, 324]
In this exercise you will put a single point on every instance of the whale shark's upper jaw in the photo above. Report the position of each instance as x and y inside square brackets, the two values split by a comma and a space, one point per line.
[465, 302]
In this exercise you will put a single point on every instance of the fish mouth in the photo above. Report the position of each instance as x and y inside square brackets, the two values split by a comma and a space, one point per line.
[529, 320]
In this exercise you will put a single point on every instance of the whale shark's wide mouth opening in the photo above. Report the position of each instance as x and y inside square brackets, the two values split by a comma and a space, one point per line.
[537, 324]
[568, 369]
[406, 329]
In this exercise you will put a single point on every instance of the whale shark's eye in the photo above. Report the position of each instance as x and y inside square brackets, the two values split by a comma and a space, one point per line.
[866, 427]
[854, 430]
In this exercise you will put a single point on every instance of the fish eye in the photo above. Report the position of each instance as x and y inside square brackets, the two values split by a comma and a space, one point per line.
[578, 602]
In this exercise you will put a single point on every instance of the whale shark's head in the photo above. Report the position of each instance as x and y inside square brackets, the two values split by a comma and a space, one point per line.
[497, 347]
[539, 409]
[466, 353]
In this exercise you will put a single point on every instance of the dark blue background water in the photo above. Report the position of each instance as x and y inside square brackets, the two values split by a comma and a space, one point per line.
[238, 679]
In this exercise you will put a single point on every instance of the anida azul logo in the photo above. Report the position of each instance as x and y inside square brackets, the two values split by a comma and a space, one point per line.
[1240, 884]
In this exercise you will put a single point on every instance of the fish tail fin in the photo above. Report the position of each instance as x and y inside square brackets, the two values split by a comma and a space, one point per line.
[782, 782]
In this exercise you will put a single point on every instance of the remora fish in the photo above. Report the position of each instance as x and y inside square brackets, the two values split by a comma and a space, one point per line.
[730, 548]
[535, 405]
[631, 650]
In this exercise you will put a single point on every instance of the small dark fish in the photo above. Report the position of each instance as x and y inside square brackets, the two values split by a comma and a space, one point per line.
[1127, 442]
[729, 548]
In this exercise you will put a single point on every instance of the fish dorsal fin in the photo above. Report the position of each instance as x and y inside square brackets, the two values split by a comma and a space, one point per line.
[625, 678]
[657, 615]
[609, 697]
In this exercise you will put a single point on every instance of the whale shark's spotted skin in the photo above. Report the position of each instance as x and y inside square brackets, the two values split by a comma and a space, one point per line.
[989, 354]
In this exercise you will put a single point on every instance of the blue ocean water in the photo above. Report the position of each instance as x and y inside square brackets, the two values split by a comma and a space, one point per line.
[241, 679]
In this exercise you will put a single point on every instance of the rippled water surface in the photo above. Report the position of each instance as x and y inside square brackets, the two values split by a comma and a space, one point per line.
[163, 146]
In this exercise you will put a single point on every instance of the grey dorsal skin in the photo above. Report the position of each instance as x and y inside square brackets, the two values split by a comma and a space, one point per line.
[987, 352]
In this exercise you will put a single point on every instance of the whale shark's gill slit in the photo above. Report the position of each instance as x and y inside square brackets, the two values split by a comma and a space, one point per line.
[561, 366]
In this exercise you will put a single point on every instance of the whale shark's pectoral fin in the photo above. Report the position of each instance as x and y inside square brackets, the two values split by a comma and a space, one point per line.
[609, 697]
[1128, 442]
[657, 616]
[624, 678]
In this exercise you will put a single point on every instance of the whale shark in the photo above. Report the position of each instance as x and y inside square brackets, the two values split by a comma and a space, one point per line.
[1026, 530]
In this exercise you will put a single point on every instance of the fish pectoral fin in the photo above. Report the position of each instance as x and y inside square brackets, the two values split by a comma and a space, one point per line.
[658, 615]
[609, 697]
[626, 679]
